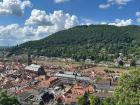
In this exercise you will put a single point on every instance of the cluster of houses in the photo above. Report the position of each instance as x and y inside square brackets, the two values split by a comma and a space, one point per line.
[37, 84]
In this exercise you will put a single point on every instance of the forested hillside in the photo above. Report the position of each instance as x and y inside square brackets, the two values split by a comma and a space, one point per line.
[97, 42]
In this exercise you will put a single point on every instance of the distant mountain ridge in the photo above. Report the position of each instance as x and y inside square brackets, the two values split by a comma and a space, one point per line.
[4, 47]
[99, 42]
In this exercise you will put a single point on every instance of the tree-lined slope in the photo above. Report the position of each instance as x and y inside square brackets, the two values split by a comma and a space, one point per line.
[99, 42]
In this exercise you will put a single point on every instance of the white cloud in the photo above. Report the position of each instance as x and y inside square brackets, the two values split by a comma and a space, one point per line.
[119, 2]
[138, 16]
[13, 34]
[13, 7]
[38, 17]
[86, 21]
[104, 6]
[37, 27]
[137, 13]
[113, 2]
[53, 22]
[119, 22]
[103, 23]
[61, 1]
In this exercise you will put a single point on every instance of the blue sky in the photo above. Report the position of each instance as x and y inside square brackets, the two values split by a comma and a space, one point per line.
[24, 20]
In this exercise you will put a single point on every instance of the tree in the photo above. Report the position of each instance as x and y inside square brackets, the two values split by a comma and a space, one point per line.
[6, 99]
[84, 100]
[96, 42]
[121, 63]
[127, 92]
[133, 62]
[89, 100]
[98, 79]
[81, 100]
[94, 100]
[108, 101]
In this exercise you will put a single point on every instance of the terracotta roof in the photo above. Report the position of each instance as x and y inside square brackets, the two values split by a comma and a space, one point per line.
[77, 91]
[48, 82]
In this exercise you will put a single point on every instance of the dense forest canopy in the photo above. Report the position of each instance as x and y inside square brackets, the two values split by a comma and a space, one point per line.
[96, 42]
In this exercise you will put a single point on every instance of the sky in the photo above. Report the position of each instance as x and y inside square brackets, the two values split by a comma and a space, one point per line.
[25, 20]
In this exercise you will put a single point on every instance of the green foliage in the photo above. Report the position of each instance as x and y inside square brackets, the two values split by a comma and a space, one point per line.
[6, 99]
[97, 42]
[94, 100]
[127, 91]
[84, 100]
[81, 100]
[108, 101]
[121, 63]
[133, 63]
[98, 79]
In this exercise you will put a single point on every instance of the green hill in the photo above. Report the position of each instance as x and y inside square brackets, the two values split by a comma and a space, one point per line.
[99, 42]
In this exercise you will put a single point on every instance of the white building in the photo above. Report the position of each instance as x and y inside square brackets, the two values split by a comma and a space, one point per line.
[36, 69]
